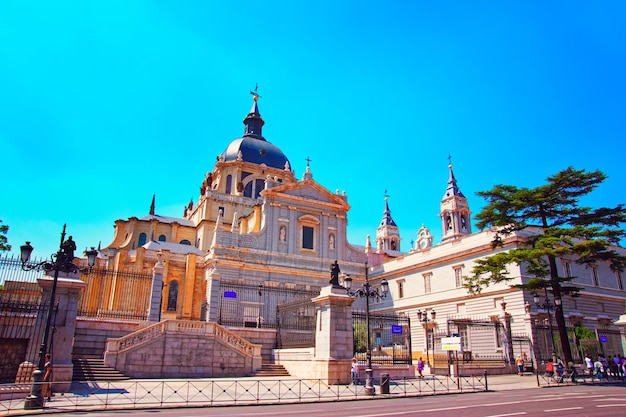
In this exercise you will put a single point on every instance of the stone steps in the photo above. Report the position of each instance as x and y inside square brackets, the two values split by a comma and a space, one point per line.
[271, 369]
[92, 369]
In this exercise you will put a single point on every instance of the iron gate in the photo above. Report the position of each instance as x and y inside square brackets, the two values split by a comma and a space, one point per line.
[21, 331]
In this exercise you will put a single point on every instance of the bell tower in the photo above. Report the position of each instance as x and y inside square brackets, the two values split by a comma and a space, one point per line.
[387, 234]
[454, 211]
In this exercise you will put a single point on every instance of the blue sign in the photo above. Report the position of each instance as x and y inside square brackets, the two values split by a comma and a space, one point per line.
[395, 329]
[603, 338]
[230, 294]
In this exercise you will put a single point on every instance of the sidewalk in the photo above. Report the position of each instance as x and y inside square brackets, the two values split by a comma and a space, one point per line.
[138, 394]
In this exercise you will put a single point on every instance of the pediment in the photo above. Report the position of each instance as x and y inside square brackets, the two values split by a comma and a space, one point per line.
[305, 190]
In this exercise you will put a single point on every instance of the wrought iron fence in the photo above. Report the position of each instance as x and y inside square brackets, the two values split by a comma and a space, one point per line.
[390, 335]
[295, 324]
[118, 294]
[119, 395]
[16, 284]
[244, 305]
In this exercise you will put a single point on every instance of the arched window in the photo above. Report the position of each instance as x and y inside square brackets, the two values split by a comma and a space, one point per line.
[162, 238]
[254, 187]
[172, 296]
[142, 239]
[185, 242]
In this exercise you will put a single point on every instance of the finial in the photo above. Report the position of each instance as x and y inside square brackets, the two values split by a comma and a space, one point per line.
[255, 95]
[308, 161]
[386, 195]
[449, 161]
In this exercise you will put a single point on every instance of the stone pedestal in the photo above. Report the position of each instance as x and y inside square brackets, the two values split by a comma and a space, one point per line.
[156, 291]
[333, 336]
[64, 324]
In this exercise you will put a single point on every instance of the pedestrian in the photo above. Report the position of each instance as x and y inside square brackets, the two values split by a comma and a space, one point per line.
[420, 367]
[589, 365]
[46, 388]
[613, 362]
[560, 366]
[619, 362]
[599, 370]
[605, 367]
[550, 368]
[520, 365]
[355, 372]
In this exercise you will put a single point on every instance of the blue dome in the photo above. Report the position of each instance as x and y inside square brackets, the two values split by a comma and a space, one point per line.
[256, 151]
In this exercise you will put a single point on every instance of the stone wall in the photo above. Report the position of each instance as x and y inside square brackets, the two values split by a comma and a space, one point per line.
[91, 335]
[183, 356]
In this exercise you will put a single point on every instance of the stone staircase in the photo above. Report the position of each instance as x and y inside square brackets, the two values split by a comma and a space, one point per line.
[91, 369]
[271, 369]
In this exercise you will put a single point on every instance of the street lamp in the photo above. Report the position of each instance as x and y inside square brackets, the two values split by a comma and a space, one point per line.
[62, 261]
[547, 305]
[423, 317]
[366, 291]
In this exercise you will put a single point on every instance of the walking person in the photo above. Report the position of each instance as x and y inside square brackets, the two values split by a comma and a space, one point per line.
[560, 366]
[420, 367]
[589, 365]
[355, 372]
[46, 388]
[599, 370]
[520, 365]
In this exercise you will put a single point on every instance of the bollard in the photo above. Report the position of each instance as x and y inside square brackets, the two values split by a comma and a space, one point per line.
[485, 375]
[384, 383]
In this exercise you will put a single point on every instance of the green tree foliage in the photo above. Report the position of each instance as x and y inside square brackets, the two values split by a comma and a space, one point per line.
[4, 245]
[559, 226]
[563, 228]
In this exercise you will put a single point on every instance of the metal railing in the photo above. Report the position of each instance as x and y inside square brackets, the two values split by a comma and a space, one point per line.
[139, 394]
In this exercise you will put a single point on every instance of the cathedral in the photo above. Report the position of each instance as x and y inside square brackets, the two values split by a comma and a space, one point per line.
[257, 236]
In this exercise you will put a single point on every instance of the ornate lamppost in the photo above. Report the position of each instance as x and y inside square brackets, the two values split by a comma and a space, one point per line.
[423, 317]
[62, 261]
[548, 305]
[366, 291]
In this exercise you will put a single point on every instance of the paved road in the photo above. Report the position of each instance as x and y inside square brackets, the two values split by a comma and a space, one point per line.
[170, 394]
[572, 401]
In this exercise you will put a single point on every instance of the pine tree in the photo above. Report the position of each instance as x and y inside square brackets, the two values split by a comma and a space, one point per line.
[4, 245]
[559, 226]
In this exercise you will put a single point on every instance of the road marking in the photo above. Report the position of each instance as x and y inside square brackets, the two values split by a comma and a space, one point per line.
[611, 405]
[497, 404]
[508, 414]
[610, 399]
[562, 409]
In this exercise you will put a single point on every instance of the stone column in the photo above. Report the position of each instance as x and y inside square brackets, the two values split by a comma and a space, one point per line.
[63, 326]
[156, 293]
[334, 343]
[212, 295]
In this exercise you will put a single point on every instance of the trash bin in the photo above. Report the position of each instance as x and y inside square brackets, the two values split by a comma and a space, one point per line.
[384, 383]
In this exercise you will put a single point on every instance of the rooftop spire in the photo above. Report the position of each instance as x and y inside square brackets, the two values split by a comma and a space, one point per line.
[253, 121]
[152, 205]
[453, 188]
[387, 220]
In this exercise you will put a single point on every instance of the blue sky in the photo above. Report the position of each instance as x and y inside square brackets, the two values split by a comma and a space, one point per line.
[104, 103]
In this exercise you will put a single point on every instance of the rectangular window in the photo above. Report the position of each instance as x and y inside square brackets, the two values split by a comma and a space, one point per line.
[427, 279]
[499, 330]
[567, 267]
[307, 237]
[464, 339]
[401, 289]
[458, 276]
[618, 277]
[220, 211]
[594, 275]
[460, 309]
